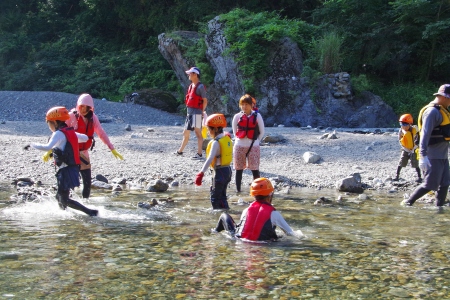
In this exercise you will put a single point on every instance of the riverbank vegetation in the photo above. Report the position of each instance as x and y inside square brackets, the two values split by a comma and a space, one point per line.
[398, 49]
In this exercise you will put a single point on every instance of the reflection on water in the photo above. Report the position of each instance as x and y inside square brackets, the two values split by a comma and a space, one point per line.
[372, 249]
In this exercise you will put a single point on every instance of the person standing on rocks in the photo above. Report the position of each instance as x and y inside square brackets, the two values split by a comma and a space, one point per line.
[84, 120]
[408, 136]
[196, 103]
[259, 220]
[434, 126]
[63, 145]
[248, 129]
[219, 156]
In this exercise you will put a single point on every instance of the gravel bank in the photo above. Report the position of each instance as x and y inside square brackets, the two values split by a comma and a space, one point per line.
[148, 148]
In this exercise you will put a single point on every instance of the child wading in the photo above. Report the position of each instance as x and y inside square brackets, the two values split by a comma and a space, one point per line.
[408, 136]
[63, 145]
[219, 156]
[259, 220]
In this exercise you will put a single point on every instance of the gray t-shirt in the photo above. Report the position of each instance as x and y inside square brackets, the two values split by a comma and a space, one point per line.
[431, 118]
[201, 91]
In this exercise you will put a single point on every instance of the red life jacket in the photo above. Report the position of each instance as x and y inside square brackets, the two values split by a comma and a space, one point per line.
[193, 100]
[72, 141]
[87, 129]
[247, 126]
[257, 224]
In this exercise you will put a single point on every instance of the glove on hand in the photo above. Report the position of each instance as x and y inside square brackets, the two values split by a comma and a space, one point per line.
[198, 178]
[424, 163]
[116, 154]
[47, 155]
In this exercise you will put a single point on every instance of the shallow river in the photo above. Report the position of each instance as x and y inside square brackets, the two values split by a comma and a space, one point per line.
[371, 249]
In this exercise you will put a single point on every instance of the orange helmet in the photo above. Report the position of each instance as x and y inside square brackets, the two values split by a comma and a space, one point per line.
[261, 187]
[406, 118]
[216, 120]
[57, 113]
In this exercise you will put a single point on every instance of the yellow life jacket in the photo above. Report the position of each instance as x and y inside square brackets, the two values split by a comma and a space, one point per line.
[440, 133]
[408, 140]
[226, 151]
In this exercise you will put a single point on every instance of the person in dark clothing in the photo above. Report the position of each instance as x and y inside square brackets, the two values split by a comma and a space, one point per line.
[219, 156]
[434, 126]
[63, 146]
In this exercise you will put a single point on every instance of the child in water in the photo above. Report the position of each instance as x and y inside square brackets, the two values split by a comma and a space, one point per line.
[63, 145]
[408, 136]
[219, 155]
[259, 220]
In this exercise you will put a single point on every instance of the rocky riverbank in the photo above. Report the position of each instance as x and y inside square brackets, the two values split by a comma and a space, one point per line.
[148, 148]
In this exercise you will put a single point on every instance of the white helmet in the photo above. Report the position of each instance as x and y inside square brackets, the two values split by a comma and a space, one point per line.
[85, 99]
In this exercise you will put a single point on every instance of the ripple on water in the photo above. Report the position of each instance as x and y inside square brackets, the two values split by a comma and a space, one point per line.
[370, 249]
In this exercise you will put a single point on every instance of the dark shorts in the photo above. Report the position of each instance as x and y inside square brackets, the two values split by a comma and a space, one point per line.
[437, 175]
[68, 177]
[405, 157]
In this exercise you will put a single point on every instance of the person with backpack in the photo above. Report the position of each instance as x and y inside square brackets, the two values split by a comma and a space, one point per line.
[85, 121]
[248, 129]
[219, 156]
[63, 146]
[408, 137]
[434, 126]
[259, 220]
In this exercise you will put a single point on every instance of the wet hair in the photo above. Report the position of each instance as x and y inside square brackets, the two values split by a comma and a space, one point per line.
[246, 99]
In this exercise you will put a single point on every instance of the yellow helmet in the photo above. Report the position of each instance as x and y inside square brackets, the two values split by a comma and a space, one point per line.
[261, 187]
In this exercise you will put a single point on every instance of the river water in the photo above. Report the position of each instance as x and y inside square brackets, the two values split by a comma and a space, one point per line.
[359, 249]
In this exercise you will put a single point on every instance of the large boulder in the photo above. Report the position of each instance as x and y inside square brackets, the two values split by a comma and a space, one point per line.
[158, 99]
[172, 52]
[284, 96]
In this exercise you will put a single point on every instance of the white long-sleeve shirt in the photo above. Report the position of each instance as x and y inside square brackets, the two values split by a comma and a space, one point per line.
[277, 220]
[58, 140]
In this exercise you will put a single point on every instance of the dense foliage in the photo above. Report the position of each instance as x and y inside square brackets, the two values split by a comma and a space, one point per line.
[399, 49]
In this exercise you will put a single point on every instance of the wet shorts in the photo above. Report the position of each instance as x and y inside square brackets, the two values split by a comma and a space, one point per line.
[251, 162]
[193, 121]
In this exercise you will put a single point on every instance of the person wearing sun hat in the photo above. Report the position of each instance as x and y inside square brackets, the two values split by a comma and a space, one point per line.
[196, 103]
[434, 126]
